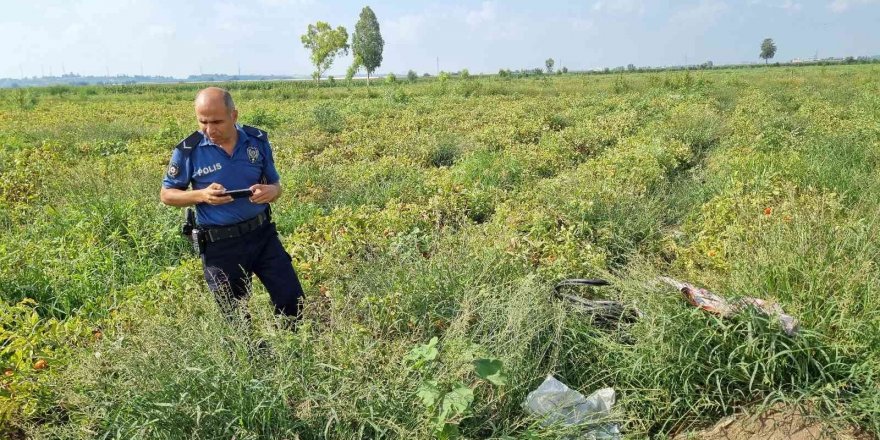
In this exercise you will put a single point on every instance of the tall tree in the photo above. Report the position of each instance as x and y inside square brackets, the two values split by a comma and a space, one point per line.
[325, 43]
[549, 63]
[356, 64]
[367, 42]
[768, 49]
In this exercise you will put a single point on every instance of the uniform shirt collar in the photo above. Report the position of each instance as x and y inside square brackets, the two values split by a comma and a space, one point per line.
[242, 136]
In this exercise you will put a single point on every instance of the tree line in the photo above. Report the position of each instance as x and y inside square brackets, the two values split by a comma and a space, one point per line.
[326, 43]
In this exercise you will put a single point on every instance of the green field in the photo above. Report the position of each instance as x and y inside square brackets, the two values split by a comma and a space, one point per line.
[449, 209]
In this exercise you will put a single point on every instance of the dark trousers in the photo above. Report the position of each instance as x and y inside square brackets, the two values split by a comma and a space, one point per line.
[229, 265]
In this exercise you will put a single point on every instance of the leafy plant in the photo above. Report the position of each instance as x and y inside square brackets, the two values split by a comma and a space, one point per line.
[620, 84]
[444, 152]
[397, 95]
[491, 370]
[25, 99]
[447, 404]
[423, 354]
[262, 118]
[328, 118]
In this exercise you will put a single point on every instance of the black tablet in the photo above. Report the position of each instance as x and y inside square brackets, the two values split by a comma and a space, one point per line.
[239, 193]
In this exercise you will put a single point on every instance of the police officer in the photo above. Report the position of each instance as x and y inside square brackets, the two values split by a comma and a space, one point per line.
[237, 236]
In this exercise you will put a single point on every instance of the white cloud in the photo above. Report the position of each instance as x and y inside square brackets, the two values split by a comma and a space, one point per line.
[229, 16]
[277, 3]
[484, 22]
[843, 5]
[703, 14]
[581, 24]
[786, 5]
[791, 6]
[477, 17]
[406, 29]
[619, 6]
[491, 24]
[160, 31]
[74, 31]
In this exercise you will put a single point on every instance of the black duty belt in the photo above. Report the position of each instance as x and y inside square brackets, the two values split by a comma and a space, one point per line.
[217, 233]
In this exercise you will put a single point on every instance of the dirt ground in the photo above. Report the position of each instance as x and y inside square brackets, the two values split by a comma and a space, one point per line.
[777, 423]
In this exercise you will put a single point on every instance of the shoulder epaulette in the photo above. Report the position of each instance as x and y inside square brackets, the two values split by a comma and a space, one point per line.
[186, 146]
[256, 132]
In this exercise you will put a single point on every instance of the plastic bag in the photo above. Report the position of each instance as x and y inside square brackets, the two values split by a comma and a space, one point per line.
[556, 404]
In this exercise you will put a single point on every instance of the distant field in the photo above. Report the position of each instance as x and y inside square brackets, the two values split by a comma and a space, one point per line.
[449, 209]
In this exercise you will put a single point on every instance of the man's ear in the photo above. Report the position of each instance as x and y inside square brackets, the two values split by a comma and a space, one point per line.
[235, 116]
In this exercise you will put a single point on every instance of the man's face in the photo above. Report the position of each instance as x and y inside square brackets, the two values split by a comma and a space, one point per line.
[216, 121]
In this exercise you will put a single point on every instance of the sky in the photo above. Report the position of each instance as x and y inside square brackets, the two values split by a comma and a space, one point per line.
[183, 37]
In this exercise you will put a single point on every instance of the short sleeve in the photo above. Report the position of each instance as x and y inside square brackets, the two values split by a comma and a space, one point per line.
[178, 173]
[269, 170]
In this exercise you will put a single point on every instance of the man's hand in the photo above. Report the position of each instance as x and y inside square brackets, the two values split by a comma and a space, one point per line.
[213, 195]
[265, 193]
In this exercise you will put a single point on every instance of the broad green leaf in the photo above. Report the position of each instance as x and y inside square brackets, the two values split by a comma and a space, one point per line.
[491, 370]
[425, 352]
[428, 392]
[448, 432]
[456, 402]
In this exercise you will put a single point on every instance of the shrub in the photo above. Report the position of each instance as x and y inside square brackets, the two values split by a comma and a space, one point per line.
[328, 118]
[58, 90]
[397, 95]
[620, 85]
[24, 99]
[557, 122]
[469, 88]
[445, 152]
[262, 118]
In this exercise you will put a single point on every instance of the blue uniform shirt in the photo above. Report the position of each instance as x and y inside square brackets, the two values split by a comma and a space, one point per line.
[207, 163]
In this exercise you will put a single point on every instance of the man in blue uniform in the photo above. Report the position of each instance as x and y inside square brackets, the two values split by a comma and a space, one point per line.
[237, 235]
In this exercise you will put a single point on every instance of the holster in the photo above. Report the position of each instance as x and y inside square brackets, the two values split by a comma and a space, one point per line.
[191, 232]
